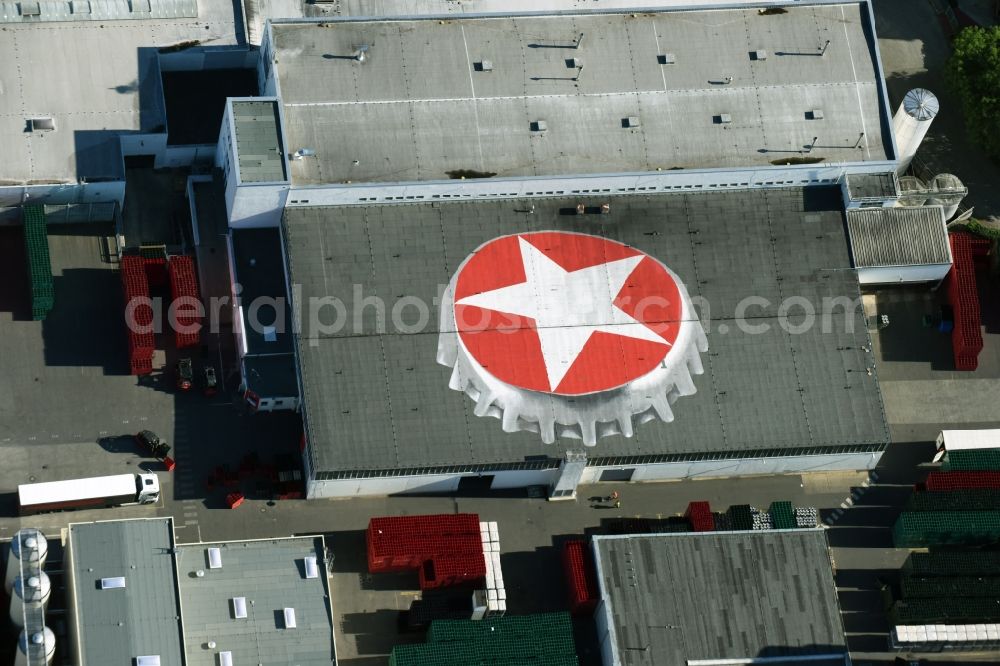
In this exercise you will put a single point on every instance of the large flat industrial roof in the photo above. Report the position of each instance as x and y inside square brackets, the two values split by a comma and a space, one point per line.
[375, 397]
[718, 596]
[270, 576]
[98, 84]
[141, 616]
[413, 99]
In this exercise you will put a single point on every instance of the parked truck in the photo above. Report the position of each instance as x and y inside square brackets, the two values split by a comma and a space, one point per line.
[91, 493]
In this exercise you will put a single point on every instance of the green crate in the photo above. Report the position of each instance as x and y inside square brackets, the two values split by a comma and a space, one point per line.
[978, 499]
[972, 460]
[782, 515]
[953, 563]
[947, 610]
[915, 529]
[913, 587]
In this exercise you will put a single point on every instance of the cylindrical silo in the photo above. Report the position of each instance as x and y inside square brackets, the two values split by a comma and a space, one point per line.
[33, 591]
[948, 191]
[34, 646]
[912, 191]
[911, 123]
[28, 544]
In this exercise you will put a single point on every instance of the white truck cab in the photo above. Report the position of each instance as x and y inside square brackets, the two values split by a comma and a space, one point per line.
[148, 488]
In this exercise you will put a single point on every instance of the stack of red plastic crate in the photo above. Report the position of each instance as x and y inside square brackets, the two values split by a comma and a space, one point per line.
[966, 337]
[944, 481]
[699, 514]
[184, 284]
[446, 549]
[156, 270]
[581, 577]
[140, 345]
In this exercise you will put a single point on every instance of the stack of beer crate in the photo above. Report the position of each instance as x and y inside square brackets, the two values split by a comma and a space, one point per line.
[184, 293]
[496, 593]
[139, 315]
[581, 577]
[36, 243]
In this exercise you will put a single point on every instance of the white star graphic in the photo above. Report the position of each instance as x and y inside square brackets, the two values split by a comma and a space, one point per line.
[567, 306]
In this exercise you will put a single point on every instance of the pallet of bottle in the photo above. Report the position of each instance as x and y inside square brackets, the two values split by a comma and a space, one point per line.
[946, 637]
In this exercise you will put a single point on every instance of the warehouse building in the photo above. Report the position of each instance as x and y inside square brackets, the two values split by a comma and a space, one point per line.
[138, 597]
[715, 150]
[718, 598]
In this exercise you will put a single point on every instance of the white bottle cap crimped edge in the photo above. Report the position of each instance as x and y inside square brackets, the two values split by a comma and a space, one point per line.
[580, 415]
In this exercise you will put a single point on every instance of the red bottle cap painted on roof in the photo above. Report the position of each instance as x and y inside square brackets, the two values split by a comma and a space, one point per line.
[566, 313]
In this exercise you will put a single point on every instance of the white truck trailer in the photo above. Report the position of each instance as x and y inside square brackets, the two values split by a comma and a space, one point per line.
[91, 493]
[965, 440]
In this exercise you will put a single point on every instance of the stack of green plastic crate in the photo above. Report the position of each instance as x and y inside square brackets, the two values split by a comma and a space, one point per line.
[741, 517]
[782, 515]
[953, 563]
[545, 639]
[946, 610]
[971, 460]
[977, 499]
[960, 586]
[36, 242]
[915, 529]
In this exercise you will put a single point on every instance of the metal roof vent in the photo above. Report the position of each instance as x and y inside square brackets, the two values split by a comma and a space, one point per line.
[240, 608]
[723, 119]
[214, 558]
[116, 583]
[41, 124]
[150, 660]
[289, 618]
[312, 571]
[574, 63]
[226, 658]
[815, 114]
[759, 54]
[631, 121]
[30, 9]
[539, 125]
[666, 59]
[483, 66]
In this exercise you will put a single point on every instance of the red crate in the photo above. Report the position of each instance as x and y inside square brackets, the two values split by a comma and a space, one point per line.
[939, 481]
[451, 570]
[699, 514]
[142, 366]
[581, 577]
[169, 464]
[963, 296]
[233, 500]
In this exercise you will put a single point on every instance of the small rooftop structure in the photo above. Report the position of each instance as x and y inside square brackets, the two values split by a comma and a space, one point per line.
[259, 150]
[899, 238]
[872, 186]
[715, 598]
[121, 576]
[419, 105]
[260, 604]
